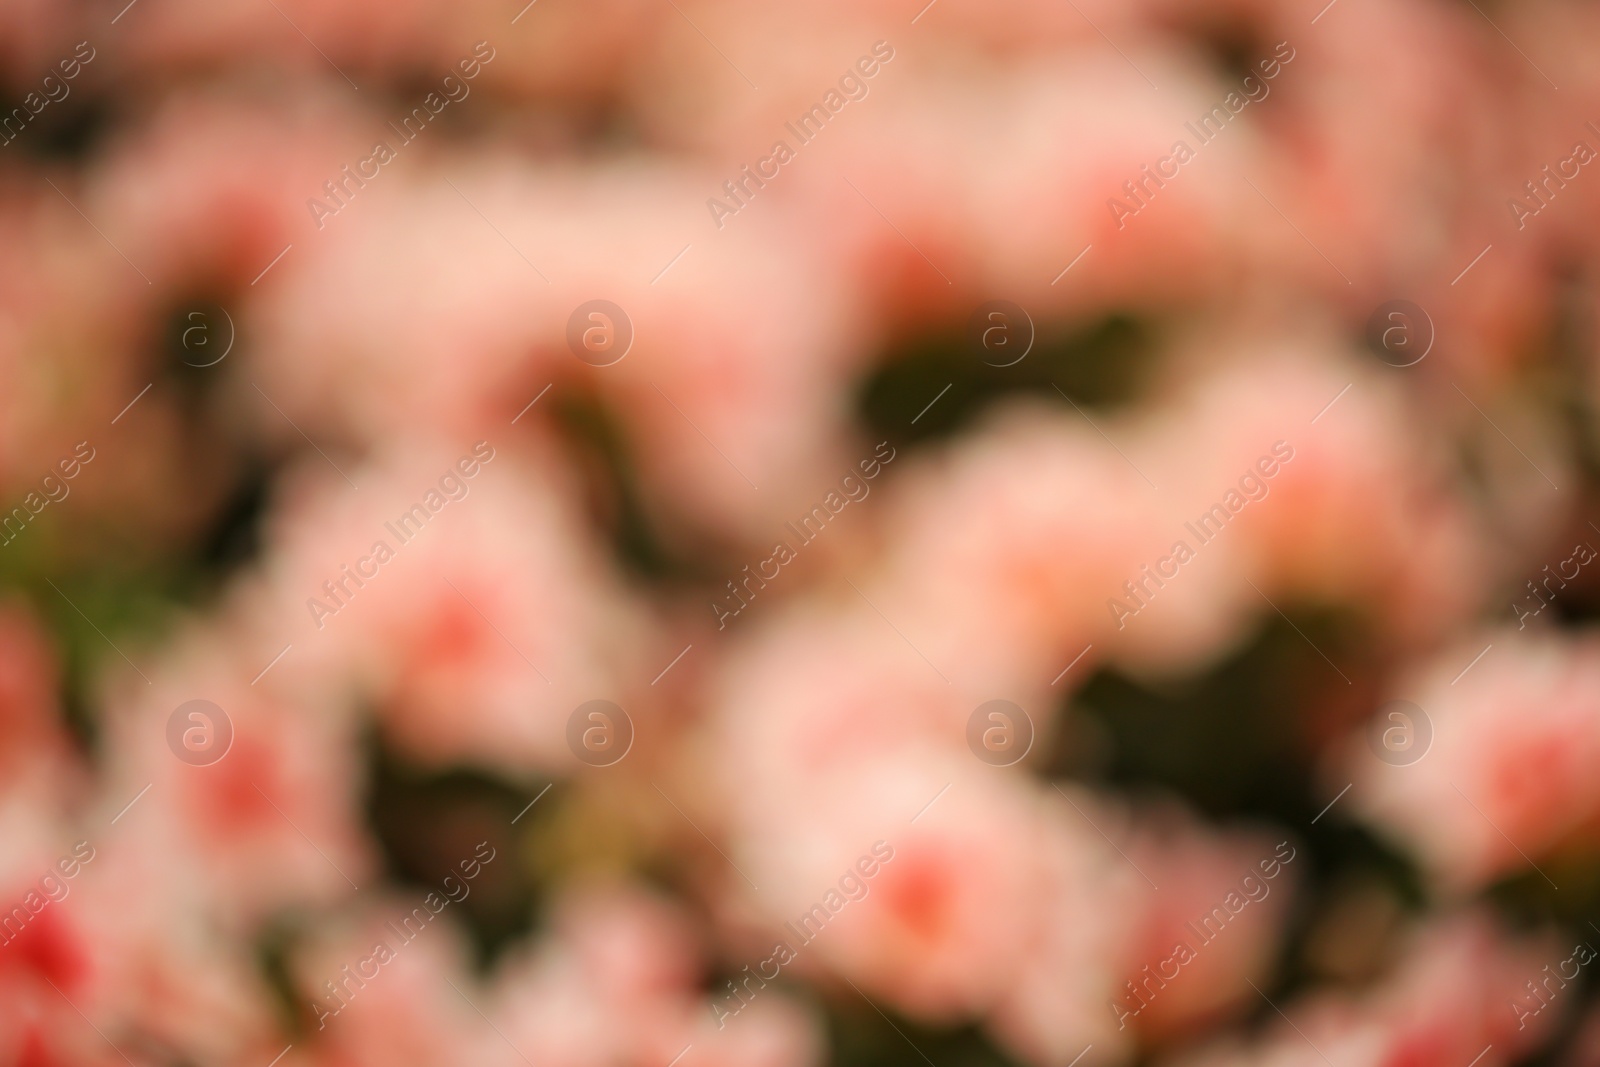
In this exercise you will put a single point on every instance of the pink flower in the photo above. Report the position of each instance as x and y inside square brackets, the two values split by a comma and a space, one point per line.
[158, 940]
[1310, 484]
[1156, 225]
[887, 873]
[389, 985]
[207, 191]
[1451, 998]
[103, 921]
[815, 695]
[455, 590]
[617, 981]
[270, 823]
[1373, 204]
[1082, 947]
[997, 570]
[1216, 919]
[1507, 778]
[1152, 927]
[731, 379]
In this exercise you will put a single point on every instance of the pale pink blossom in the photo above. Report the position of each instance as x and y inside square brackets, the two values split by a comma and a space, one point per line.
[386, 986]
[1507, 778]
[1224, 897]
[455, 591]
[819, 693]
[1153, 927]
[1329, 493]
[737, 359]
[617, 981]
[1007, 543]
[937, 841]
[164, 965]
[1082, 949]
[94, 919]
[1451, 998]
[205, 192]
[273, 821]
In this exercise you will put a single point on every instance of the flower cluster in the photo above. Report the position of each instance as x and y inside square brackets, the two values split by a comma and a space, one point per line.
[1112, 565]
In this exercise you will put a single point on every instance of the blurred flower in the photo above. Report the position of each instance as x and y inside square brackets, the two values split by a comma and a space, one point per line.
[1450, 998]
[617, 982]
[1507, 777]
[456, 592]
[264, 812]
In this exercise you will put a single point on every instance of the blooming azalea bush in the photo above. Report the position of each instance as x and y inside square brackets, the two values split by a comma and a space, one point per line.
[690, 533]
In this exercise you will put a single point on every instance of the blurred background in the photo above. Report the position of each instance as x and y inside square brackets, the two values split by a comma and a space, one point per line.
[692, 533]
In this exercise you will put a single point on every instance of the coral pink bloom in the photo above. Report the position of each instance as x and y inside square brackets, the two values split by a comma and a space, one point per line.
[100, 918]
[389, 985]
[1322, 490]
[1452, 997]
[817, 693]
[1509, 774]
[886, 873]
[1059, 999]
[1153, 927]
[455, 591]
[270, 823]
[206, 192]
[1224, 899]
[617, 981]
[42, 941]
[998, 570]
[729, 377]
[168, 967]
